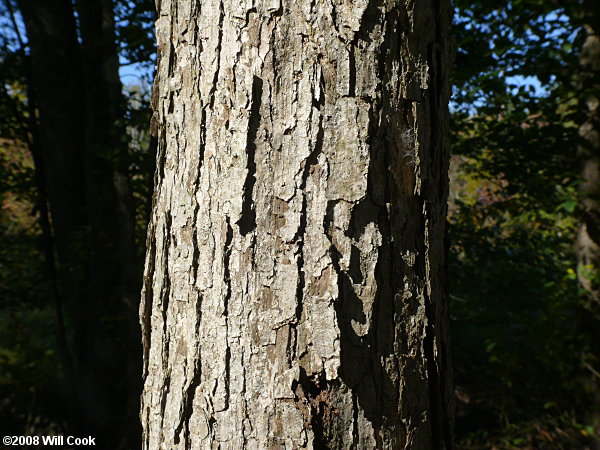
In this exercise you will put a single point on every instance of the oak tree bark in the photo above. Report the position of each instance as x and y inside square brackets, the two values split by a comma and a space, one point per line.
[295, 283]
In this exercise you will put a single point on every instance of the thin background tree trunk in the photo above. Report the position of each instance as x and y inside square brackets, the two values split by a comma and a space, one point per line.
[588, 239]
[295, 283]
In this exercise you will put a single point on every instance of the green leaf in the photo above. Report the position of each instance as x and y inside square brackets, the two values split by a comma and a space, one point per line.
[568, 206]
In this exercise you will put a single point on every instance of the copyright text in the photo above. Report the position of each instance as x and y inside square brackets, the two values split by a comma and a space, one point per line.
[49, 440]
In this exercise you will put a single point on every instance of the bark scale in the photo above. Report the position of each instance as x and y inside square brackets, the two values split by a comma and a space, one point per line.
[295, 289]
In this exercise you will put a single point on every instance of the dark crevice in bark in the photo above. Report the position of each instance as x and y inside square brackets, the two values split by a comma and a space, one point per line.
[187, 406]
[171, 65]
[227, 279]
[352, 72]
[334, 18]
[314, 394]
[160, 159]
[354, 269]
[171, 105]
[355, 432]
[299, 238]
[370, 19]
[213, 88]
[211, 426]
[227, 377]
[249, 12]
[318, 103]
[148, 296]
[145, 433]
[165, 293]
[198, 323]
[202, 146]
[226, 270]
[247, 221]
[195, 246]
[291, 345]
[166, 388]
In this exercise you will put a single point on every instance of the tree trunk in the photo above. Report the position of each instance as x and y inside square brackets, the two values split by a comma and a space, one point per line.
[57, 81]
[588, 239]
[115, 265]
[589, 154]
[85, 160]
[295, 280]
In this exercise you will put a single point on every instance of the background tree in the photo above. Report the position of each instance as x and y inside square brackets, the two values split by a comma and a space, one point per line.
[588, 240]
[74, 124]
[78, 93]
[294, 289]
[514, 220]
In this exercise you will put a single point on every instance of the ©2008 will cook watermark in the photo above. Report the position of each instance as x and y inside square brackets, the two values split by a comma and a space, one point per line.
[58, 440]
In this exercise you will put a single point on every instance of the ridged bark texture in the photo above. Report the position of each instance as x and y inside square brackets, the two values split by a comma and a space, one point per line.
[295, 287]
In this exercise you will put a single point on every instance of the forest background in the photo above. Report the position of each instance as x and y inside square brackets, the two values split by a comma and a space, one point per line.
[524, 283]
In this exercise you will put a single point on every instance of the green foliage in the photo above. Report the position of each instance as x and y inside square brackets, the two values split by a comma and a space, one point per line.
[141, 155]
[29, 381]
[549, 431]
[516, 308]
[134, 23]
[514, 305]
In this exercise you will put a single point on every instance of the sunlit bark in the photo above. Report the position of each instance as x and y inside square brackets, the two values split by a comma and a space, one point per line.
[295, 287]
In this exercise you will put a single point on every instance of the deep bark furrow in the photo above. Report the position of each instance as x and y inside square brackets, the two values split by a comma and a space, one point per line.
[147, 298]
[215, 79]
[226, 268]
[165, 292]
[187, 406]
[247, 222]
[164, 392]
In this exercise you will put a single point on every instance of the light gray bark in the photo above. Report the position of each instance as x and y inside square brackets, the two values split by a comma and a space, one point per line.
[295, 289]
